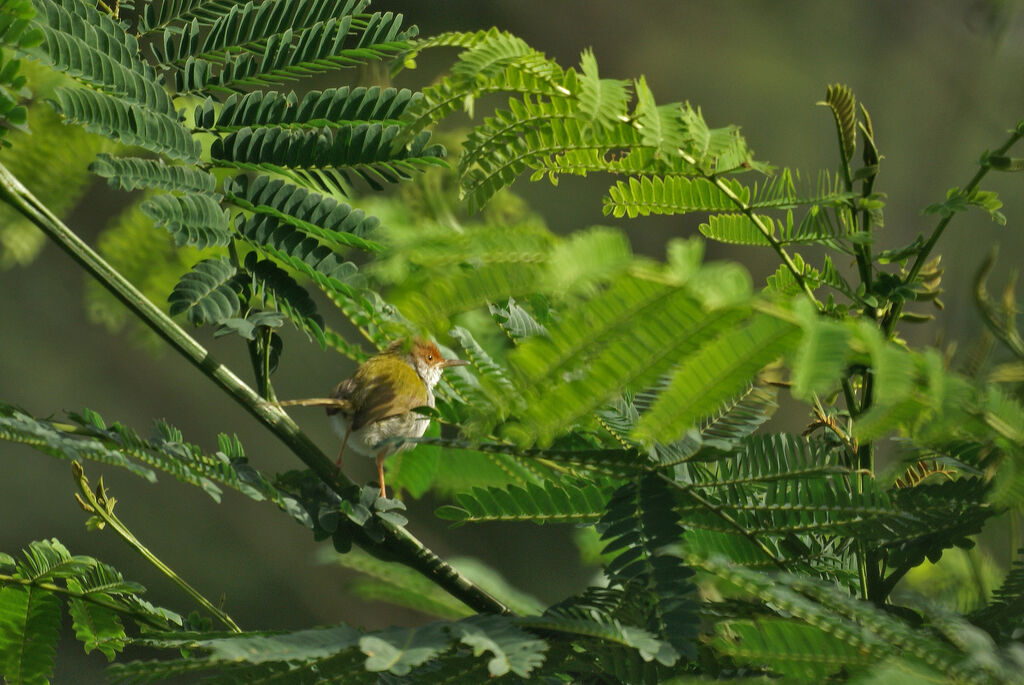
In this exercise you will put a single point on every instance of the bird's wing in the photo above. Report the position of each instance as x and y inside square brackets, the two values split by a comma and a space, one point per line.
[376, 395]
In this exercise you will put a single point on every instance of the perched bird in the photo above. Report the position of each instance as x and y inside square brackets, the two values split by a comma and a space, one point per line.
[377, 401]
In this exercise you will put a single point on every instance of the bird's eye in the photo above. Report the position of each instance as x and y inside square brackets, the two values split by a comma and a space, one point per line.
[430, 357]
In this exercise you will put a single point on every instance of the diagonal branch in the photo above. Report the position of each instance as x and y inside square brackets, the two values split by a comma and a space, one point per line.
[398, 544]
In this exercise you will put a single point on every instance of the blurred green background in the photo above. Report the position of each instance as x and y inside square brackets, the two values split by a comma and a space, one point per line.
[942, 81]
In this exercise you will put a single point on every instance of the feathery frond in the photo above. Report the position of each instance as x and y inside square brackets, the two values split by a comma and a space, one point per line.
[343, 106]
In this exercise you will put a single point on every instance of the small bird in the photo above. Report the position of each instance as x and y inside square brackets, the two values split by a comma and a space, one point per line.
[377, 401]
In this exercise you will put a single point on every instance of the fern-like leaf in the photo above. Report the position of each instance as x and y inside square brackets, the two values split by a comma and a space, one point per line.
[794, 650]
[256, 45]
[563, 503]
[738, 229]
[722, 367]
[90, 45]
[191, 219]
[287, 296]
[208, 293]
[131, 173]
[637, 330]
[126, 122]
[670, 195]
[841, 101]
[332, 107]
[366, 150]
[278, 205]
[119, 445]
[157, 14]
[602, 101]
[639, 523]
[29, 628]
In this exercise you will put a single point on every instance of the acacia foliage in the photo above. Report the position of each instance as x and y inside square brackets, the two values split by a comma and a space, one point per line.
[624, 394]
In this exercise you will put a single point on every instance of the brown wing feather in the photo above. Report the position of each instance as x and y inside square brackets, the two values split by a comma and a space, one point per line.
[383, 387]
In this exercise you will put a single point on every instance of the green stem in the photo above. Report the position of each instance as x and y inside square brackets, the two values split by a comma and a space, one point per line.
[889, 323]
[767, 232]
[97, 598]
[398, 544]
[687, 488]
[100, 505]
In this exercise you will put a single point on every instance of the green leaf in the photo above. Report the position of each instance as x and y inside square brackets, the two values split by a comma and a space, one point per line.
[191, 219]
[290, 298]
[131, 173]
[602, 101]
[300, 645]
[97, 627]
[370, 151]
[552, 503]
[208, 293]
[636, 330]
[661, 128]
[127, 122]
[513, 649]
[396, 584]
[672, 195]
[343, 106]
[738, 229]
[90, 45]
[794, 650]
[281, 207]
[714, 373]
[29, 629]
[399, 650]
[821, 356]
[841, 101]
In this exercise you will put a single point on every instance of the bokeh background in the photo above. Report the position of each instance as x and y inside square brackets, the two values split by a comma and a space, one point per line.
[941, 79]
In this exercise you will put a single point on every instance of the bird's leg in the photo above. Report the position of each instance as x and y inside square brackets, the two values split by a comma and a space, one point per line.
[380, 474]
[344, 441]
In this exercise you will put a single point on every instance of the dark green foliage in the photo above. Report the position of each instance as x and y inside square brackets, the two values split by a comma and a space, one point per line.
[275, 202]
[16, 33]
[639, 525]
[119, 445]
[551, 503]
[196, 220]
[32, 592]
[366, 150]
[126, 122]
[273, 284]
[130, 173]
[624, 394]
[332, 107]
[208, 293]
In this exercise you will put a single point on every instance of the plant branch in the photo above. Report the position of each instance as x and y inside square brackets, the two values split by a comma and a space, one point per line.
[98, 504]
[767, 232]
[921, 259]
[398, 543]
[717, 511]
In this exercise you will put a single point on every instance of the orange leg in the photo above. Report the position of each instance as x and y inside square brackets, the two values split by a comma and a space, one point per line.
[380, 474]
[344, 442]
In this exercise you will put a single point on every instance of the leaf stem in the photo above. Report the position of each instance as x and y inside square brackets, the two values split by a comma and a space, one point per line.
[889, 323]
[717, 511]
[98, 504]
[398, 544]
[767, 232]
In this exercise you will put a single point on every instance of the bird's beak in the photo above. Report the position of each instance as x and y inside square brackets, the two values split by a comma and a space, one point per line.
[454, 362]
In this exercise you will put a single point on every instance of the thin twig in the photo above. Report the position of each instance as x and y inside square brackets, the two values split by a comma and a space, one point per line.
[889, 323]
[98, 504]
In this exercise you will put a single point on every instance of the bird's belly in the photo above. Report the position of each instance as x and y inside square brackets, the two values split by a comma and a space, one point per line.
[364, 440]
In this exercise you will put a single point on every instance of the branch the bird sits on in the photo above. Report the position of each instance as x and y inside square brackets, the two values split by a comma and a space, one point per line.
[380, 399]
